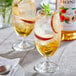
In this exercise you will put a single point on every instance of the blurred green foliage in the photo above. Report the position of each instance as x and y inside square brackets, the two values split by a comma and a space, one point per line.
[7, 3]
[6, 9]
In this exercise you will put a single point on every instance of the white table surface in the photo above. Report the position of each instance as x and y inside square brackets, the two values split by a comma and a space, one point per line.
[65, 55]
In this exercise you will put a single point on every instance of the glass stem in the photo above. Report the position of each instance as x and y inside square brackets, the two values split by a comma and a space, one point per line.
[46, 61]
[23, 43]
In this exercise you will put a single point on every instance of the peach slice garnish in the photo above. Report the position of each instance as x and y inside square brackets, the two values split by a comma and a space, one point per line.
[55, 22]
[43, 38]
[28, 21]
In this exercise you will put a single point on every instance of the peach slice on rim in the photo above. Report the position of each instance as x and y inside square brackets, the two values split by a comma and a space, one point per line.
[43, 38]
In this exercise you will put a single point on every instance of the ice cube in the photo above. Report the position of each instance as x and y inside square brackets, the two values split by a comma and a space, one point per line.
[27, 10]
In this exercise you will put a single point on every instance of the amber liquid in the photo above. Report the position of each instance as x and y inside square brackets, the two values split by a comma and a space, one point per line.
[47, 49]
[23, 29]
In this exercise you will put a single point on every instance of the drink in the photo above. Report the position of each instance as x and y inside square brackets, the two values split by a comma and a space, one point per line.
[68, 18]
[47, 34]
[47, 48]
[23, 20]
[22, 27]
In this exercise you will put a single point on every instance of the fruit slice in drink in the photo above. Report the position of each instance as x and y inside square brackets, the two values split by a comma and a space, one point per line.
[23, 28]
[48, 48]
[55, 22]
[15, 9]
[28, 21]
[43, 38]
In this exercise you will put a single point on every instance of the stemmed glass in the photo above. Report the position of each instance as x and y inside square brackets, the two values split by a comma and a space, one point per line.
[47, 39]
[23, 20]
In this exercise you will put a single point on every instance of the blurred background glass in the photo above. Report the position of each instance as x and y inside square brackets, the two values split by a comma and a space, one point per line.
[5, 13]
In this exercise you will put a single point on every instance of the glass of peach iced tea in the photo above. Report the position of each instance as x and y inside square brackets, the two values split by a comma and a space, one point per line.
[23, 20]
[47, 39]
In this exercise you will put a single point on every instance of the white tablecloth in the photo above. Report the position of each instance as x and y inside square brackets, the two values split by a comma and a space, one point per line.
[65, 56]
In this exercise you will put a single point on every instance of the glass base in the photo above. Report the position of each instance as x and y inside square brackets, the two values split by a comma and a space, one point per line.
[46, 67]
[23, 47]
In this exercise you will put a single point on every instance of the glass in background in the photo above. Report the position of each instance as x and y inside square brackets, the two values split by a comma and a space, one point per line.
[5, 13]
[23, 19]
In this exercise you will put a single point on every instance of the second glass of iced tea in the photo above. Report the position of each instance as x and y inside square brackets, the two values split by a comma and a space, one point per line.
[47, 39]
